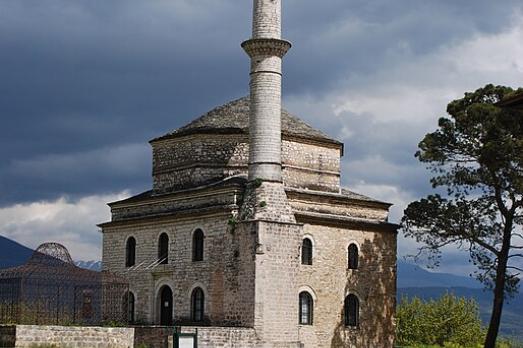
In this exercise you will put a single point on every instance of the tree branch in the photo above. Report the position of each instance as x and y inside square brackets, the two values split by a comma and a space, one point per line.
[514, 234]
[486, 246]
[497, 194]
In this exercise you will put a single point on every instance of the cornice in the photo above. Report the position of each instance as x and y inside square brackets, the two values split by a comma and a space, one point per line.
[266, 47]
[179, 215]
[333, 197]
[196, 192]
[345, 222]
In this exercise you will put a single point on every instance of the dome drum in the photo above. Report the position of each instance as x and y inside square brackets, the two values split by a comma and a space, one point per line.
[200, 159]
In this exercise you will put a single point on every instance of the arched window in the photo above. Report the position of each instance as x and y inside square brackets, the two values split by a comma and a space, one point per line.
[197, 245]
[197, 304]
[163, 248]
[353, 257]
[130, 252]
[166, 306]
[128, 306]
[352, 311]
[306, 308]
[87, 304]
[306, 252]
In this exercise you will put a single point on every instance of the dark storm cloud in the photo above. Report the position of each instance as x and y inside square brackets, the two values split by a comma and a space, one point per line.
[78, 78]
[357, 38]
[102, 167]
[85, 84]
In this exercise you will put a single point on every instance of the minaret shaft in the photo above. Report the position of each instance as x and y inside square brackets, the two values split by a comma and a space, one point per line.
[266, 50]
[266, 21]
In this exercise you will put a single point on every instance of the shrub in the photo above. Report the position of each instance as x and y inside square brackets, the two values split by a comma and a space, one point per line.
[449, 322]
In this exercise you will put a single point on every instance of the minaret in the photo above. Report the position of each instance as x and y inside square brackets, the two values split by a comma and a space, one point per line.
[267, 223]
[266, 198]
[266, 49]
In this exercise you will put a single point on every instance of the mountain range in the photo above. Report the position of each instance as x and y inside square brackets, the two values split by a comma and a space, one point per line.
[12, 253]
[412, 281]
[413, 276]
[91, 265]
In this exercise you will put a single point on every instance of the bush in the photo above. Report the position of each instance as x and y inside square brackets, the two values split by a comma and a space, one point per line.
[449, 322]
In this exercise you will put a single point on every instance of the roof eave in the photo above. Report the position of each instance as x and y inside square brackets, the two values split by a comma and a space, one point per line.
[222, 131]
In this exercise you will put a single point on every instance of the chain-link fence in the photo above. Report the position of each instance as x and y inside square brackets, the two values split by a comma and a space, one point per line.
[50, 290]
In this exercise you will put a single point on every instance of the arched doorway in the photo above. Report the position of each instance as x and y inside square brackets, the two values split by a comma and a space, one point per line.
[128, 307]
[166, 306]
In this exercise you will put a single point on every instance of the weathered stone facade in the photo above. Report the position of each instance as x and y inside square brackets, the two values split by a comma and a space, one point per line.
[249, 272]
[27, 336]
[257, 182]
[216, 337]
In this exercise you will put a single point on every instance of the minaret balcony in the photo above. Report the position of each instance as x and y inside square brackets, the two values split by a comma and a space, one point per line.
[266, 47]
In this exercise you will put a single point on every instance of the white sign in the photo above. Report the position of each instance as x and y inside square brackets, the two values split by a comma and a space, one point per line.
[186, 342]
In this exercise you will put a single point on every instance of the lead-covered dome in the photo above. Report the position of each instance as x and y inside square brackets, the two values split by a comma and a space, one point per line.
[233, 117]
[215, 146]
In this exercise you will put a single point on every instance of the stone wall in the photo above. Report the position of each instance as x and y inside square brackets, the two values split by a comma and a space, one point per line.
[226, 337]
[29, 336]
[200, 159]
[277, 267]
[208, 198]
[152, 336]
[329, 280]
[252, 276]
[196, 160]
[238, 299]
[208, 337]
[219, 274]
[336, 205]
[311, 166]
[66, 336]
[7, 335]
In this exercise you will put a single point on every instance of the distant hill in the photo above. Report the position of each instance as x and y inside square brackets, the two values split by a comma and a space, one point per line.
[413, 276]
[91, 265]
[15, 254]
[12, 253]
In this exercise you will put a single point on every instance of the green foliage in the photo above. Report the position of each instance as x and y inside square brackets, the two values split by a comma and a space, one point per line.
[257, 182]
[509, 343]
[232, 221]
[501, 344]
[35, 313]
[476, 156]
[114, 323]
[446, 322]
[263, 204]
[142, 345]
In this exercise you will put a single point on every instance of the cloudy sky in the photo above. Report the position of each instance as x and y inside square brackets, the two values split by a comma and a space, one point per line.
[85, 84]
